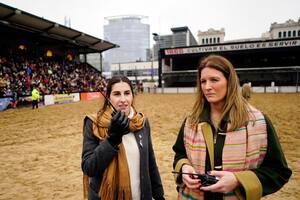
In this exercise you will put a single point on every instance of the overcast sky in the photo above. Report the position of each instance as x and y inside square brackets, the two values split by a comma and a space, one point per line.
[240, 18]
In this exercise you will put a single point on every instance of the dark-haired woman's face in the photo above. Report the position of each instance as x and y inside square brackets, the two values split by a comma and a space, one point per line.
[121, 97]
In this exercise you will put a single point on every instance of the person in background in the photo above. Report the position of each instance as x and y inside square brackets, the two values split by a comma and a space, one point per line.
[15, 99]
[35, 97]
[118, 160]
[226, 137]
[246, 91]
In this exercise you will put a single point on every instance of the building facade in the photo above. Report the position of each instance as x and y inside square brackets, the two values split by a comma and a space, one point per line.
[288, 29]
[137, 71]
[211, 36]
[131, 35]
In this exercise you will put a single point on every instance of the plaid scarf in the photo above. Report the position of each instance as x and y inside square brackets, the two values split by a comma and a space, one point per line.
[244, 149]
[116, 180]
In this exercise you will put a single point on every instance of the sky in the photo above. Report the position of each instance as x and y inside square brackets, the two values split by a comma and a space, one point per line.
[240, 18]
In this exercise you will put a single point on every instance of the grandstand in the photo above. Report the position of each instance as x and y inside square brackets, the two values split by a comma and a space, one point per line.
[20, 26]
[262, 62]
[37, 51]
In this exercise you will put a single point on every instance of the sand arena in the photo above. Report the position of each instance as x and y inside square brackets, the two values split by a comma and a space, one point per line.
[41, 149]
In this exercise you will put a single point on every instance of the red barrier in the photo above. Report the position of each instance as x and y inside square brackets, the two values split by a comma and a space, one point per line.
[90, 95]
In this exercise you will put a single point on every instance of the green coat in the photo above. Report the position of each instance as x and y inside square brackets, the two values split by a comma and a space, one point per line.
[273, 173]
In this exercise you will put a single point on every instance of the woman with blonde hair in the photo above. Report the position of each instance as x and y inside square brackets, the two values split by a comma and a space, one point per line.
[229, 140]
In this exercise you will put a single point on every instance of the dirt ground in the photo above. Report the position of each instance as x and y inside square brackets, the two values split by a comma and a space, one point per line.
[40, 149]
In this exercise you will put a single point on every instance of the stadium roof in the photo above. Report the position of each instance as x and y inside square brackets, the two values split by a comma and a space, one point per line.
[25, 21]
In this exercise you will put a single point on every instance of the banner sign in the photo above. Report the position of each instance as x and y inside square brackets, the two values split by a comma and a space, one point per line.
[233, 47]
[61, 98]
[90, 95]
[4, 102]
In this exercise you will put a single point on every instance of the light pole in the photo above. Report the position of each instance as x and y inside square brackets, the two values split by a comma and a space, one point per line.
[297, 80]
[135, 74]
[157, 38]
[152, 72]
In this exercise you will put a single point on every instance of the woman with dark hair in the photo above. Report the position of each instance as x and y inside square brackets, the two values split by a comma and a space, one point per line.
[227, 138]
[118, 158]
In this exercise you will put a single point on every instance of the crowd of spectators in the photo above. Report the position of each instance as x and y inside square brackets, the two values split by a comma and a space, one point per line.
[18, 74]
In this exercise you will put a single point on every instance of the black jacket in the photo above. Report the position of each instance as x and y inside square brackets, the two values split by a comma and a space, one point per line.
[97, 155]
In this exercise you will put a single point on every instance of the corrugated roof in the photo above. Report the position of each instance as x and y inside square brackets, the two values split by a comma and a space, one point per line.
[14, 17]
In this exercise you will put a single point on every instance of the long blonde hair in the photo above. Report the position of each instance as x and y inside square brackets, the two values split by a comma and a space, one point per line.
[235, 105]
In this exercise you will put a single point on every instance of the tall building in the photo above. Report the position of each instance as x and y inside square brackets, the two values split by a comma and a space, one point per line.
[131, 34]
[180, 37]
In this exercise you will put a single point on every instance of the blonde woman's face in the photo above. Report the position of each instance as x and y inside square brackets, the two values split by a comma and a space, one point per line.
[213, 86]
[121, 97]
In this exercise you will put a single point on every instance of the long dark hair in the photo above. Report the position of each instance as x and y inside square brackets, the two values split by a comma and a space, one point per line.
[115, 79]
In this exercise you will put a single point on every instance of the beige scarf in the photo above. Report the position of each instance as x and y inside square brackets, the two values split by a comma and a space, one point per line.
[116, 179]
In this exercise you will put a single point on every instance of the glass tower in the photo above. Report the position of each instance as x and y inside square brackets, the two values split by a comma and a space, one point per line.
[131, 35]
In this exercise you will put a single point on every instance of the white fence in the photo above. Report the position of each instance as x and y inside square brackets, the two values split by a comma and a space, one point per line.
[276, 89]
[269, 89]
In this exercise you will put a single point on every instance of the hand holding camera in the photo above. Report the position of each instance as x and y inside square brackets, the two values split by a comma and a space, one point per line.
[206, 179]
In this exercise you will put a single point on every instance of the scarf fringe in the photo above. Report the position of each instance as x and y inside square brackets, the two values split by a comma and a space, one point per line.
[124, 193]
[106, 192]
[109, 194]
[85, 186]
